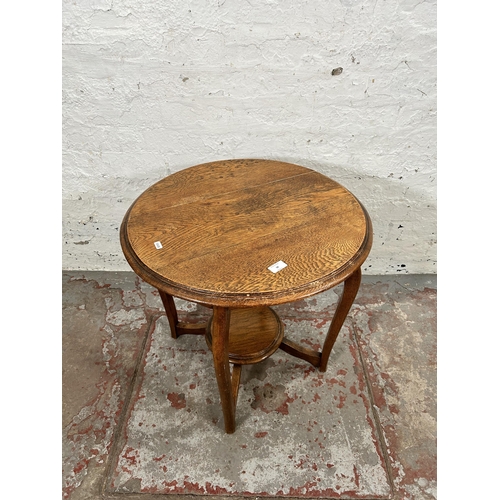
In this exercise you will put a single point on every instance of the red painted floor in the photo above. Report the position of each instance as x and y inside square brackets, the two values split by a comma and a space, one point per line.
[141, 417]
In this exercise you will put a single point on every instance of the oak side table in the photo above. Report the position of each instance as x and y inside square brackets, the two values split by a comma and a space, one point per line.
[239, 236]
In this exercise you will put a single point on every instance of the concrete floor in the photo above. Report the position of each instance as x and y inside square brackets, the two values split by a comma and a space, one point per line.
[141, 417]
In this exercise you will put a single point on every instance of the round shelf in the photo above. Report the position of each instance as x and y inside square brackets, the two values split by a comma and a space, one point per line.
[254, 334]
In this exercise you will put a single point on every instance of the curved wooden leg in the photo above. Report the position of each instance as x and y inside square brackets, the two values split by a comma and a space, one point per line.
[171, 310]
[235, 382]
[351, 286]
[178, 328]
[220, 342]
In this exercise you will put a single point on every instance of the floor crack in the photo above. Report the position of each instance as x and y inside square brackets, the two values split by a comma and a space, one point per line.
[378, 425]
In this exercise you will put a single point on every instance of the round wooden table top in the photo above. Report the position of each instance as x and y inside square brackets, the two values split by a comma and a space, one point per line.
[211, 232]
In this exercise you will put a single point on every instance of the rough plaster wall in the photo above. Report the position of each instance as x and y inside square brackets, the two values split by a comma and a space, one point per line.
[152, 87]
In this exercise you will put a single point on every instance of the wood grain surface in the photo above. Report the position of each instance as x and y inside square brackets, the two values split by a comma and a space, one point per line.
[222, 224]
[254, 334]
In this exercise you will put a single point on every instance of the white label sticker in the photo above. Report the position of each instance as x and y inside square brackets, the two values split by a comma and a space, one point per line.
[277, 267]
[158, 245]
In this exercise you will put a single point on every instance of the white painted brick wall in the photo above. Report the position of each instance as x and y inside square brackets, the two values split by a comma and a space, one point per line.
[152, 87]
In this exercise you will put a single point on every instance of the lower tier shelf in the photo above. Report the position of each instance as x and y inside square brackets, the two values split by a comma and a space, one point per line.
[254, 334]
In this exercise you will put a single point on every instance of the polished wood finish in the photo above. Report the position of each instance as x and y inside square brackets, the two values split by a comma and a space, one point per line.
[209, 233]
[254, 335]
[235, 382]
[171, 311]
[222, 224]
[223, 373]
[301, 352]
[178, 328]
[351, 286]
[320, 359]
